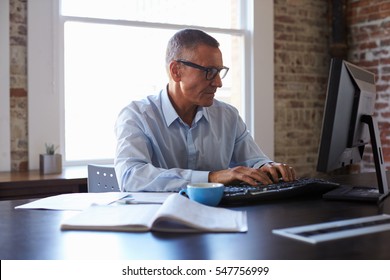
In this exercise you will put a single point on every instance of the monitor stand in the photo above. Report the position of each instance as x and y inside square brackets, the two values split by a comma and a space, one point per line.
[369, 194]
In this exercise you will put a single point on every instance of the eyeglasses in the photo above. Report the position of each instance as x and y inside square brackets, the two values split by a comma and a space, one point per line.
[211, 72]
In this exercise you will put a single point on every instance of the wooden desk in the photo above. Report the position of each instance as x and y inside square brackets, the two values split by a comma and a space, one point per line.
[36, 234]
[31, 184]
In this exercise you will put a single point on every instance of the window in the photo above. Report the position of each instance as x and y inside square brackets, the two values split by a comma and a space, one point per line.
[112, 56]
[86, 63]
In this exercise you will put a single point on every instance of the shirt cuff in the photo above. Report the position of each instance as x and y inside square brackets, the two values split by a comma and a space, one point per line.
[200, 176]
[260, 164]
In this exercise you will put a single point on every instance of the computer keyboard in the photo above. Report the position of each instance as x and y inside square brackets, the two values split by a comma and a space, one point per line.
[243, 194]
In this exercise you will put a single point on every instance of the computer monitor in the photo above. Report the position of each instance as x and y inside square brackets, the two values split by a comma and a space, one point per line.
[348, 126]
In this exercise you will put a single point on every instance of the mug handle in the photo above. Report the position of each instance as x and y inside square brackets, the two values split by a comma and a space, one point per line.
[183, 193]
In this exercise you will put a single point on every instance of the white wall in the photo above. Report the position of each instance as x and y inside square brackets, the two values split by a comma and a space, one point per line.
[263, 75]
[5, 134]
[43, 96]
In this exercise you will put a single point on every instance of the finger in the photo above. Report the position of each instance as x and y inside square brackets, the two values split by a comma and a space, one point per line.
[279, 170]
[263, 178]
[293, 174]
[273, 170]
[254, 176]
[285, 172]
[288, 173]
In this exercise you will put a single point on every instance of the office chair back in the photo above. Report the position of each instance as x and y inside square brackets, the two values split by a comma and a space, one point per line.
[102, 178]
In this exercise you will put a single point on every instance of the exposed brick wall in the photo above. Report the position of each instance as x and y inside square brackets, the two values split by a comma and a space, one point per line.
[18, 85]
[301, 71]
[369, 47]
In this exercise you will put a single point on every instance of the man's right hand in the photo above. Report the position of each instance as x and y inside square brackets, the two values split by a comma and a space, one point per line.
[248, 175]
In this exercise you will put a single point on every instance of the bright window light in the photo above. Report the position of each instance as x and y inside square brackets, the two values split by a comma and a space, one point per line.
[109, 64]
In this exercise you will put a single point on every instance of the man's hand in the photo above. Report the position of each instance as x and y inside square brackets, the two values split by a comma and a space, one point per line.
[251, 176]
[279, 170]
[269, 173]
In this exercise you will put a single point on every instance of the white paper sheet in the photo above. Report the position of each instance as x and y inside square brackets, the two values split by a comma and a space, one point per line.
[81, 201]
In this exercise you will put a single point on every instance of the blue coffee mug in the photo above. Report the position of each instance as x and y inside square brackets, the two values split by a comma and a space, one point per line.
[206, 193]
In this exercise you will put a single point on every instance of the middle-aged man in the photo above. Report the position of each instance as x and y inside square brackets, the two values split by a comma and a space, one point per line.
[183, 134]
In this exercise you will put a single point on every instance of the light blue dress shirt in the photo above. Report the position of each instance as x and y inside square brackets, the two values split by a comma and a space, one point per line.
[157, 151]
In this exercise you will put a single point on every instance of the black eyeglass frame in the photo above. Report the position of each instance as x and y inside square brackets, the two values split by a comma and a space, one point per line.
[211, 72]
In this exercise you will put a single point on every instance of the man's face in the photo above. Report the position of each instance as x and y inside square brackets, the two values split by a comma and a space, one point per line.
[195, 88]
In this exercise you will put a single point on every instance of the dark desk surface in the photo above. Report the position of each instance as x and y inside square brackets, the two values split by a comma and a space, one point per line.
[35, 234]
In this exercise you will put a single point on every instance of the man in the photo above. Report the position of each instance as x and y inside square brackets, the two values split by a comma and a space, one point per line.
[183, 134]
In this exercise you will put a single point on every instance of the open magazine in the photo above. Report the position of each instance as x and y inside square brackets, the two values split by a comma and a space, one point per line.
[176, 214]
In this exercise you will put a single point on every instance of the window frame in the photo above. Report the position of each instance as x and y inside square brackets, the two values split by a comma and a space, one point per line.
[45, 29]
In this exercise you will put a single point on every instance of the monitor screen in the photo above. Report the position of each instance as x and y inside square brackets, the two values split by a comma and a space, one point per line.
[349, 123]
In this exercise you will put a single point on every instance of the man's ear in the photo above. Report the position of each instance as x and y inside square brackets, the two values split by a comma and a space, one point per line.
[174, 71]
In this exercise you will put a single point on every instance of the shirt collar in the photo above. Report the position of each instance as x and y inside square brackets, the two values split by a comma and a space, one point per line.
[170, 114]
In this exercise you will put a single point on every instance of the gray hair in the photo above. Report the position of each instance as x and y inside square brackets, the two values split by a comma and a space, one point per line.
[187, 39]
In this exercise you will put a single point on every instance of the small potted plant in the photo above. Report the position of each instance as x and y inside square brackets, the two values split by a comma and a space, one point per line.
[50, 162]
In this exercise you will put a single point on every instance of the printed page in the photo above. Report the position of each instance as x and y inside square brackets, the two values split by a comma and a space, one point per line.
[81, 201]
[73, 201]
[181, 214]
[146, 197]
[137, 217]
[177, 214]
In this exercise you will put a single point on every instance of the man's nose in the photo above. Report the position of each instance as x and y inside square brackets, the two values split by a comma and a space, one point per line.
[217, 81]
